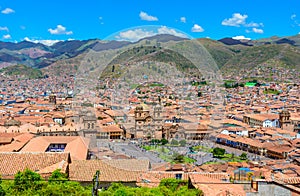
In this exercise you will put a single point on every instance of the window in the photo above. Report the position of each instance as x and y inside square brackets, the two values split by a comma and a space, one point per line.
[178, 176]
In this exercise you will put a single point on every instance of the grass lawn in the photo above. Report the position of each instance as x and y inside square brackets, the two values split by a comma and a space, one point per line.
[146, 147]
[163, 154]
[272, 91]
[189, 160]
[212, 162]
[202, 149]
[159, 149]
[166, 158]
[229, 158]
[169, 158]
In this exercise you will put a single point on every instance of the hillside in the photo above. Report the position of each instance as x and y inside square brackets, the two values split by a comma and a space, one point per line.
[286, 55]
[220, 52]
[22, 71]
[148, 53]
[229, 54]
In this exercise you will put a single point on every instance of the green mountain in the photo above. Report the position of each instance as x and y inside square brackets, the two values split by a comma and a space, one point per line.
[286, 56]
[231, 56]
[147, 53]
[220, 52]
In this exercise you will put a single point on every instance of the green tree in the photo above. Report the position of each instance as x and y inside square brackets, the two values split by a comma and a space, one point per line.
[171, 183]
[2, 192]
[164, 141]
[163, 150]
[184, 190]
[65, 188]
[27, 180]
[178, 158]
[170, 187]
[182, 142]
[174, 142]
[57, 177]
[218, 152]
[232, 155]
[243, 156]
[31, 183]
[155, 141]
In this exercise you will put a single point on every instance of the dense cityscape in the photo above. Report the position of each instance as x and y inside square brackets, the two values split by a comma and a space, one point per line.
[152, 111]
[143, 121]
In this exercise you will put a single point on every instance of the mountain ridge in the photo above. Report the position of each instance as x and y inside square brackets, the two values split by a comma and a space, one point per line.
[227, 52]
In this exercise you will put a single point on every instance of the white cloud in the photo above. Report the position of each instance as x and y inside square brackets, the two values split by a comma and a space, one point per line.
[236, 20]
[197, 28]
[295, 21]
[137, 34]
[166, 30]
[256, 30]
[101, 20]
[4, 29]
[7, 11]
[134, 35]
[254, 24]
[241, 37]
[47, 42]
[7, 36]
[183, 19]
[145, 16]
[59, 30]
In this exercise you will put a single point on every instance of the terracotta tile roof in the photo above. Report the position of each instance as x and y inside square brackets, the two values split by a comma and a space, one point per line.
[235, 122]
[213, 187]
[28, 127]
[218, 176]
[110, 128]
[62, 165]
[153, 178]
[263, 117]
[24, 137]
[29, 119]
[84, 171]
[12, 162]
[280, 148]
[129, 164]
[160, 166]
[213, 168]
[6, 140]
[3, 134]
[15, 146]
[291, 180]
[114, 113]
[76, 145]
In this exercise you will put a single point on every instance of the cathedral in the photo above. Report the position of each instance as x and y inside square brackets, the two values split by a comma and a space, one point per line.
[147, 123]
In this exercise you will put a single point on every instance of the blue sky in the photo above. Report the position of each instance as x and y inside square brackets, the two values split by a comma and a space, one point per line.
[47, 21]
